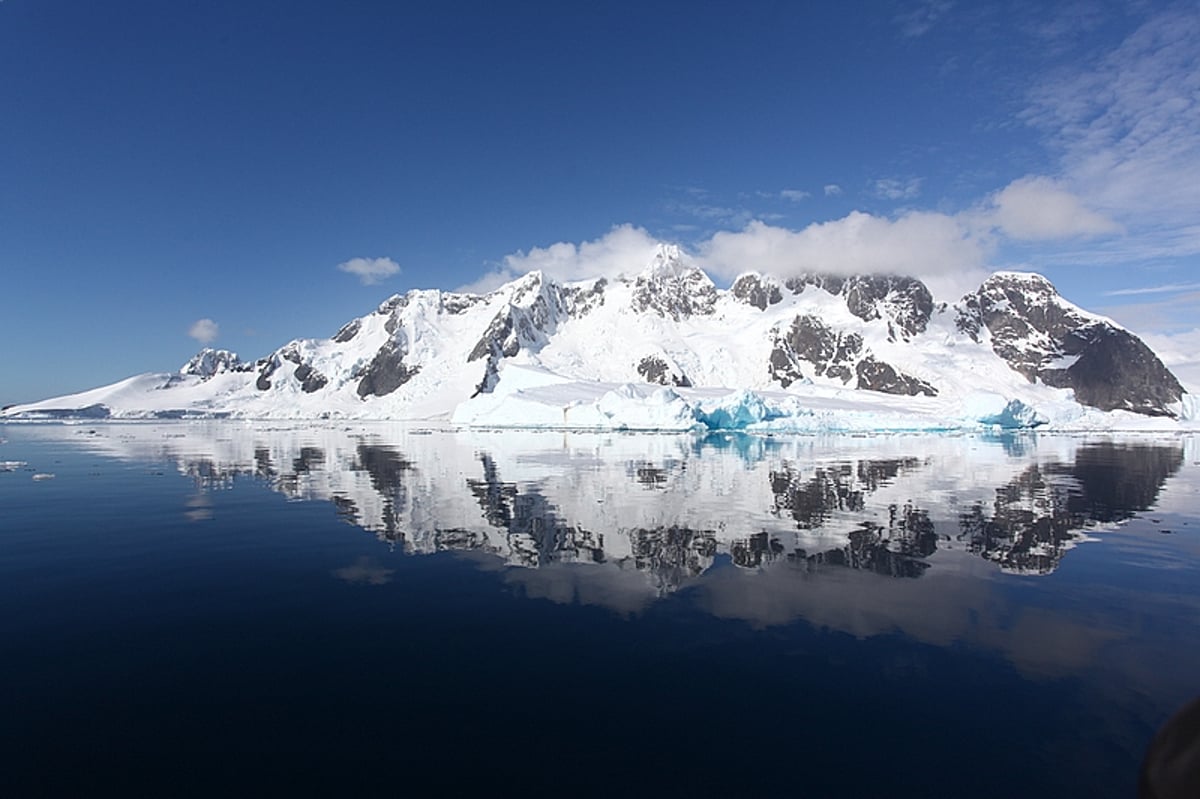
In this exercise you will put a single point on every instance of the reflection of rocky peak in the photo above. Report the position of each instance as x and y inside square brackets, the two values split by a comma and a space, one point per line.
[673, 288]
[1046, 338]
[812, 498]
[1037, 516]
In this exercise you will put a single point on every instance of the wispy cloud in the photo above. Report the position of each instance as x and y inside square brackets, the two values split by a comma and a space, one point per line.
[710, 212]
[920, 17]
[370, 270]
[1127, 131]
[204, 330]
[795, 195]
[896, 189]
[1169, 314]
[1169, 288]
[832, 190]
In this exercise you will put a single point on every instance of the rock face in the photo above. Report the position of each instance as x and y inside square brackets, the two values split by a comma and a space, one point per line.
[387, 371]
[673, 289]
[756, 290]
[208, 362]
[1044, 337]
[829, 353]
[655, 369]
[903, 302]
[526, 321]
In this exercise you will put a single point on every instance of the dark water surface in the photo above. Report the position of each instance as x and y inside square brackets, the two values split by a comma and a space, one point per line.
[228, 608]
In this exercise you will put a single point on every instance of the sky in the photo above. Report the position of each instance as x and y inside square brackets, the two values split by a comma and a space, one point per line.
[238, 174]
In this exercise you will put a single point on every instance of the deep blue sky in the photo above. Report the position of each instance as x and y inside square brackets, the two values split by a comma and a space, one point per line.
[165, 162]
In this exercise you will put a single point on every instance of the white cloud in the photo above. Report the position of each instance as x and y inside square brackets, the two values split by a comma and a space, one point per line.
[370, 270]
[1127, 131]
[204, 330]
[795, 195]
[940, 249]
[1036, 208]
[624, 249]
[894, 189]
[832, 190]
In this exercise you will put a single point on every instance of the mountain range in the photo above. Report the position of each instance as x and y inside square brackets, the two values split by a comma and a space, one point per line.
[665, 348]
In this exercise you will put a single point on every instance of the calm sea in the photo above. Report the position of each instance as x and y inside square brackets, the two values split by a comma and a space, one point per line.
[227, 608]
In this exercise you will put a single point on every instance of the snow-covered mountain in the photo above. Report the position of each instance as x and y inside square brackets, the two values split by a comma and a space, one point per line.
[667, 349]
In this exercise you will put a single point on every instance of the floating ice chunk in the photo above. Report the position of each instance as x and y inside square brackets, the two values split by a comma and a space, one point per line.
[737, 410]
[996, 410]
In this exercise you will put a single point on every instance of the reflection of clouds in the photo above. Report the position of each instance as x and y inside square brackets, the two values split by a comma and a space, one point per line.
[199, 508]
[624, 590]
[364, 571]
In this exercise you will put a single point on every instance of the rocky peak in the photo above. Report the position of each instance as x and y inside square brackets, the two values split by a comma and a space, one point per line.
[903, 302]
[208, 362]
[756, 290]
[1046, 338]
[671, 287]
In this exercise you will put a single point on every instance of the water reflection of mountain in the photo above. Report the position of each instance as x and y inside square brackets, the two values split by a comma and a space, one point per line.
[1037, 516]
[669, 507]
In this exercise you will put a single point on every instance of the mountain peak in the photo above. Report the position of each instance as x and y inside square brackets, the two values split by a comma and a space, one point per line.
[668, 260]
[208, 362]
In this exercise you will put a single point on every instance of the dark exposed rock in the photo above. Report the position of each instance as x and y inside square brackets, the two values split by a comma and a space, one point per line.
[757, 291]
[386, 372]
[1034, 330]
[831, 354]
[455, 304]
[527, 322]
[310, 379]
[498, 342]
[830, 283]
[904, 302]
[782, 365]
[392, 303]
[580, 300]
[266, 368]
[1115, 370]
[348, 331]
[655, 370]
[876, 375]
